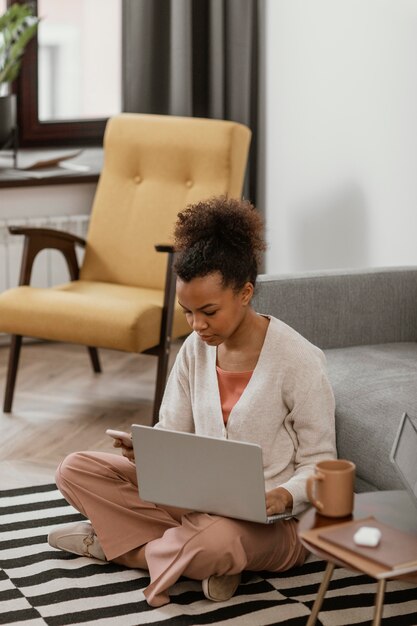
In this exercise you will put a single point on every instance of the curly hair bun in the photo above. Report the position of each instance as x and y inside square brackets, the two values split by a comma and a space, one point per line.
[219, 235]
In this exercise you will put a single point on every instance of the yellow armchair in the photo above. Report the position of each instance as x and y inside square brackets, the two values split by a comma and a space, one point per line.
[123, 296]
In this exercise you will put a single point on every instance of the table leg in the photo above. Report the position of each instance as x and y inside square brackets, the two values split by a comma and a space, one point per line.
[321, 593]
[379, 602]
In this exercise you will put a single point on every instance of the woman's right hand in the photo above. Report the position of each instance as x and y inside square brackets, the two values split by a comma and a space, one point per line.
[127, 451]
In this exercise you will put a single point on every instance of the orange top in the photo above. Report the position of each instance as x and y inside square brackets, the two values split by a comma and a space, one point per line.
[231, 387]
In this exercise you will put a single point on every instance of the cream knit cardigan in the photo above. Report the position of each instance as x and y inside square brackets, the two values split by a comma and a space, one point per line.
[287, 407]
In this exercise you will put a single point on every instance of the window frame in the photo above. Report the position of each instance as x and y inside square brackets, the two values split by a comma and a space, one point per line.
[32, 131]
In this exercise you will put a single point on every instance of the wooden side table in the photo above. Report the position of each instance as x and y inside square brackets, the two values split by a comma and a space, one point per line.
[391, 507]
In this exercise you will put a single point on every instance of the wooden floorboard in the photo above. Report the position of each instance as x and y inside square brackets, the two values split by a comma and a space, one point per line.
[61, 406]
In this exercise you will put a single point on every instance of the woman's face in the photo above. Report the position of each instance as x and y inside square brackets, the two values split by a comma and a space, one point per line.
[213, 311]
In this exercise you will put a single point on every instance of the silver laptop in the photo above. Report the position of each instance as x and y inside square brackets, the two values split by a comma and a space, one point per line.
[201, 473]
[404, 455]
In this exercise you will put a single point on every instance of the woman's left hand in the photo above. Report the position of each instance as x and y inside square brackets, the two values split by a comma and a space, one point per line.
[278, 500]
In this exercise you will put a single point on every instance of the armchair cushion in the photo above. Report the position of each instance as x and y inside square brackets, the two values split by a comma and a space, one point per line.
[90, 313]
[154, 166]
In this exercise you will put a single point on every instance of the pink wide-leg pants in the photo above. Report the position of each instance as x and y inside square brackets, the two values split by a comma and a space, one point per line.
[103, 487]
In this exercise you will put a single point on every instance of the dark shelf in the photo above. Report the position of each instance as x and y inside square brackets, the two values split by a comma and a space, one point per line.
[91, 158]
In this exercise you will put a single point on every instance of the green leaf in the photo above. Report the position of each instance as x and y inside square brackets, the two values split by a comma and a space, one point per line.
[18, 25]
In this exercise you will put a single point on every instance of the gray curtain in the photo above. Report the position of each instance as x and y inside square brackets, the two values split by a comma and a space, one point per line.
[198, 58]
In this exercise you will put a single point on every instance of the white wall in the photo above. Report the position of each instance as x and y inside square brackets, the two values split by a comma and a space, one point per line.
[46, 201]
[341, 133]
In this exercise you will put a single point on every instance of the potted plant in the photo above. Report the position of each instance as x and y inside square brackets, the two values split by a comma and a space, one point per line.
[17, 27]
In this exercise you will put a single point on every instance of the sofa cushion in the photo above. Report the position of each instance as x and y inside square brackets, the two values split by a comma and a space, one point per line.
[373, 385]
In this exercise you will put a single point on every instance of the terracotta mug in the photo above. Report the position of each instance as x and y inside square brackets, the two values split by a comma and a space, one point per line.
[330, 489]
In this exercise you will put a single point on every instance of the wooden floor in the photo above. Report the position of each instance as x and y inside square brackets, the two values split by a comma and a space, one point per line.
[61, 406]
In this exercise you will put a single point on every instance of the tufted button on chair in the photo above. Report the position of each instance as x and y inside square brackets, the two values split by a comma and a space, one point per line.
[123, 296]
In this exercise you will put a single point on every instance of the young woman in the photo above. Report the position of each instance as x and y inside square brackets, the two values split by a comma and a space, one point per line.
[241, 375]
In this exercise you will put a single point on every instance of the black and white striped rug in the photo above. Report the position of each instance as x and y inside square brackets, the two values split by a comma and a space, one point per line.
[40, 585]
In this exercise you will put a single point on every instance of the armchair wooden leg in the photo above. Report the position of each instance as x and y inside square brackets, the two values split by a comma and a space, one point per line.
[161, 377]
[15, 345]
[95, 361]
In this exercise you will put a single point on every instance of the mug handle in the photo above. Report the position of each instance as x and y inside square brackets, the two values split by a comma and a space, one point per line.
[310, 488]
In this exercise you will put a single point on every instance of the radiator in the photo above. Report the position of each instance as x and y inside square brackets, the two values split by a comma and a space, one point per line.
[49, 268]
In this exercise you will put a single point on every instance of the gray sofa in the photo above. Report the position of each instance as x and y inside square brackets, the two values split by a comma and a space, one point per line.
[366, 323]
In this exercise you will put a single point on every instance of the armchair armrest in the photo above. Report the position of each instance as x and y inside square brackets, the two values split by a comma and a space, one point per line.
[169, 294]
[164, 247]
[46, 234]
[37, 239]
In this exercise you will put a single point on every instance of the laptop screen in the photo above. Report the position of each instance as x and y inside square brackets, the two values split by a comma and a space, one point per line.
[404, 454]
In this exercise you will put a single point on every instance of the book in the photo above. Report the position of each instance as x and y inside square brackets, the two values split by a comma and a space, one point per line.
[36, 159]
[397, 549]
[348, 558]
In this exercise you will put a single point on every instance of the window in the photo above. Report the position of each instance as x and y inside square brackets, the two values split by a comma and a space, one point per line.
[70, 81]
